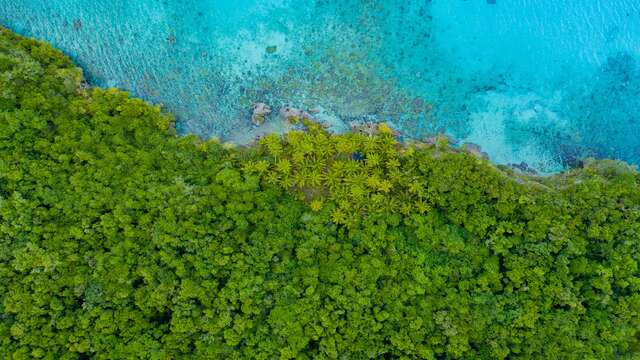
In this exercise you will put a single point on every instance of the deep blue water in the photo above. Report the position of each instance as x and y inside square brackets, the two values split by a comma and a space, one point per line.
[528, 80]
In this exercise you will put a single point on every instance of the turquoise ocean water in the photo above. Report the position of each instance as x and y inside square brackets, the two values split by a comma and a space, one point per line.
[533, 81]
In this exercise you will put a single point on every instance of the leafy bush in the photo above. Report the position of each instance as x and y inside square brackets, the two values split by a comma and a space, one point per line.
[119, 239]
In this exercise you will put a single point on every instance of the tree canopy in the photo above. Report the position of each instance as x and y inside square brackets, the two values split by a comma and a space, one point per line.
[120, 239]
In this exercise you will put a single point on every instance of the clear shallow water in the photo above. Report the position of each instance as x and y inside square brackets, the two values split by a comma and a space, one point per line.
[527, 80]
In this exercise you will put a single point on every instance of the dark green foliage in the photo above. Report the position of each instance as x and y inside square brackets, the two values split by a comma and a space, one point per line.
[120, 240]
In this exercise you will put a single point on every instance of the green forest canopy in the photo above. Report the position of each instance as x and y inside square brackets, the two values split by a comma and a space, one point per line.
[122, 240]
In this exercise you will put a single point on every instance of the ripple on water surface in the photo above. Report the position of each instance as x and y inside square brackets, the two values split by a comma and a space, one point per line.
[528, 80]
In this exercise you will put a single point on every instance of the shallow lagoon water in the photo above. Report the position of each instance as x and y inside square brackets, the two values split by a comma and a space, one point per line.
[531, 81]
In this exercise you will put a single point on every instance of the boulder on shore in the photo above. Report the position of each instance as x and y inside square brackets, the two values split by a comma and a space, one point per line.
[259, 112]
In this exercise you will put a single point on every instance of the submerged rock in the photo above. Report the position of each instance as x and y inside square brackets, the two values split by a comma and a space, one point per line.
[259, 112]
[271, 49]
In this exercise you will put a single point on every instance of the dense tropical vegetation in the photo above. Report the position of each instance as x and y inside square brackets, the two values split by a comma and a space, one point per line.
[121, 240]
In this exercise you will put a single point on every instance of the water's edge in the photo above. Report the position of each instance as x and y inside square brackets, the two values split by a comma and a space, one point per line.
[427, 68]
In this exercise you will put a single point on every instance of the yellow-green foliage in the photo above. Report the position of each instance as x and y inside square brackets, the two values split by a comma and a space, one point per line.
[121, 240]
